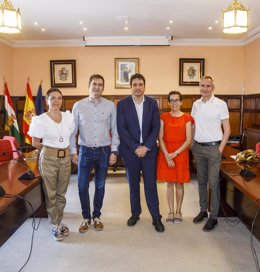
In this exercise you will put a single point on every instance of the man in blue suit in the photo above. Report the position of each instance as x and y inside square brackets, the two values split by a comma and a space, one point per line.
[138, 125]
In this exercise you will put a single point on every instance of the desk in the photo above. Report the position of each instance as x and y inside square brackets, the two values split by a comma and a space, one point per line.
[13, 211]
[240, 193]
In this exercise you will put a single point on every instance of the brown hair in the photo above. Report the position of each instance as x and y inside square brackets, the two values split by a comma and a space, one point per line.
[174, 92]
[52, 90]
[139, 76]
[96, 76]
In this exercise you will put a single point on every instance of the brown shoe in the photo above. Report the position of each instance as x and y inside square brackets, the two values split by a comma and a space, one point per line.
[170, 218]
[84, 226]
[178, 217]
[98, 224]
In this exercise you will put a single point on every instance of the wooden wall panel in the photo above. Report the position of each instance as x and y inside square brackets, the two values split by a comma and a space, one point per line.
[257, 119]
[165, 104]
[247, 120]
[233, 103]
[68, 103]
[257, 103]
[251, 116]
[249, 103]
[187, 103]
[235, 123]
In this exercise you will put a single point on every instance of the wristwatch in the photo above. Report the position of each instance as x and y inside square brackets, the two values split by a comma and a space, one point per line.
[114, 152]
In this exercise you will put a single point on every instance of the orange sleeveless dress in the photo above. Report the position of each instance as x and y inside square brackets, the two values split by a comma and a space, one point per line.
[174, 136]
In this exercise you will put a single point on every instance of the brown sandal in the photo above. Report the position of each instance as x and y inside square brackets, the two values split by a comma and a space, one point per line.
[178, 217]
[170, 218]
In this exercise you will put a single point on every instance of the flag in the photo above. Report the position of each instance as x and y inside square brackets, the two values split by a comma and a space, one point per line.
[38, 102]
[10, 117]
[28, 113]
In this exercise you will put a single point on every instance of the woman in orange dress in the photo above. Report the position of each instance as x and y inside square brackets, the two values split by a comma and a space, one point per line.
[173, 159]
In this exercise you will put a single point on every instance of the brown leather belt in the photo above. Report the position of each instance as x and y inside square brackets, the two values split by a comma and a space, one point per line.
[56, 152]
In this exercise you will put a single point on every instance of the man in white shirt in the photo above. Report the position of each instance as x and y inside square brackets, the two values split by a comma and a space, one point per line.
[212, 130]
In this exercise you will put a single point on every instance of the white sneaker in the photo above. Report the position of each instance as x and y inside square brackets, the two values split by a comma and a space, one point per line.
[57, 234]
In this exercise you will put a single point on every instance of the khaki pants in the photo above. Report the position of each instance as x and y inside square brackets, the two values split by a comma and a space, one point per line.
[56, 175]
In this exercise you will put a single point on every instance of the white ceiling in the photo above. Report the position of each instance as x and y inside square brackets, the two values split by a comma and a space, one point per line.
[191, 19]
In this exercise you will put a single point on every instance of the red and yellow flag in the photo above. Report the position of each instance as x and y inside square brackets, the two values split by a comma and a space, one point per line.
[28, 113]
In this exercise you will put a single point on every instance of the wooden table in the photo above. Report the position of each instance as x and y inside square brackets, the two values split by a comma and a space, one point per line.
[14, 211]
[242, 194]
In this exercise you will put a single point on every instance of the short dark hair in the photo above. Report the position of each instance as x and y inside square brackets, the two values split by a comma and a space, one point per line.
[139, 76]
[96, 76]
[174, 92]
[52, 90]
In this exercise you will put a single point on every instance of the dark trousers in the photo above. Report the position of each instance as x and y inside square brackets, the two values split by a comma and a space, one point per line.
[147, 167]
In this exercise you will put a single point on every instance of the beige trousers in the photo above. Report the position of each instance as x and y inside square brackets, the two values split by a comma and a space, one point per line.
[56, 175]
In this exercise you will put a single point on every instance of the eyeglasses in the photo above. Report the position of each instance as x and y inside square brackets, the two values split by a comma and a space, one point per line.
[174, 100]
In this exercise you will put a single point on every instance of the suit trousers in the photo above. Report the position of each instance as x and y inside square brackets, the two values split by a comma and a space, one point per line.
[56, 175]
[208, 164]
[134, 168]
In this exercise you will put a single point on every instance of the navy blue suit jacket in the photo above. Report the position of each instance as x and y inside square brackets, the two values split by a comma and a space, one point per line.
[129, 129]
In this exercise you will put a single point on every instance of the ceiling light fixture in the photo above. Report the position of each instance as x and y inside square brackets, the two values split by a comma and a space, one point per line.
[235, 18]
[10, 18]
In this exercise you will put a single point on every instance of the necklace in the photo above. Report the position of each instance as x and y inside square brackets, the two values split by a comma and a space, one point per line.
[59, 128]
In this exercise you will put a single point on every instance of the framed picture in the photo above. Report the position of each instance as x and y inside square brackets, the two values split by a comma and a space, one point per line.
[63, 73]
[191, 71]
[124, 69]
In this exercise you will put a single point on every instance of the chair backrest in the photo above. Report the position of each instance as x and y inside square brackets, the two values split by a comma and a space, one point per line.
[6, 152]
[14, 144]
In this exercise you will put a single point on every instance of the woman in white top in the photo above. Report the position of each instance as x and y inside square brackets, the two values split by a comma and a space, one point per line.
[51, 133]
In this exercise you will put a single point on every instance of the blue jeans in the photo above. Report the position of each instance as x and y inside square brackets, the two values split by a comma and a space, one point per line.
[98, 159]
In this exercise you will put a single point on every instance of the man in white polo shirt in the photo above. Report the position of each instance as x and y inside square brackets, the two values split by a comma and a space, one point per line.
[212, 130]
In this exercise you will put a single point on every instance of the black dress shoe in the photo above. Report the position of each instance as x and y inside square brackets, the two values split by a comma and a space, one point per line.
[132, 220]
[158, 225]
[200, 217]
[210, 224]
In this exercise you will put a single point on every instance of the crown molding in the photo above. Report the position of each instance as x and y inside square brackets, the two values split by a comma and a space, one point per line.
[251, 36]
[134, 41]
[47, 43]
[205, 42]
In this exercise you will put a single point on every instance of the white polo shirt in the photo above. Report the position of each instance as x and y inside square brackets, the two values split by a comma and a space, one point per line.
[208, 117]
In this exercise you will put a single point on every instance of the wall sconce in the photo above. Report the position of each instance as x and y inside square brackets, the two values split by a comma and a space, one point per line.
[235, 18]
[10, 18]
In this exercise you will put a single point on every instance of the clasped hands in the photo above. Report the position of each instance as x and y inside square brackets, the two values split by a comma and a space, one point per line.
[141, 151]
[169, 159]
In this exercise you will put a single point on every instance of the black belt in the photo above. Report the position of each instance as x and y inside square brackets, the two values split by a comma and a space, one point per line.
[96, 147]
[209, 143]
